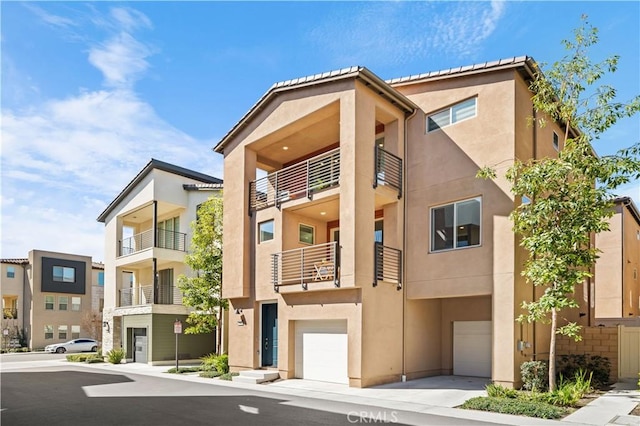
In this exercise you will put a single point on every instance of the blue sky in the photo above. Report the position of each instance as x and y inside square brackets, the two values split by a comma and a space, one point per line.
[92, 91]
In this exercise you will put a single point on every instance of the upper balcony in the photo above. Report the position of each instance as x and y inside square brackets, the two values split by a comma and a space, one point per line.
[148, 295]
[166, 239]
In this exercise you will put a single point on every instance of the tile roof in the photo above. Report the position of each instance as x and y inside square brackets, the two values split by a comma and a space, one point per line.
[15, 261]
[202, 186]
[97, 265]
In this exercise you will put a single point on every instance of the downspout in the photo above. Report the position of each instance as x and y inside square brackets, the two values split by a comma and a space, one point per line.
[404, 247]
[155, 223]
[155, 280]
[25, 285]
[533, 287]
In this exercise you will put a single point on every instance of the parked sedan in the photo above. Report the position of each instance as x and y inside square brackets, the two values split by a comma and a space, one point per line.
[75, 345]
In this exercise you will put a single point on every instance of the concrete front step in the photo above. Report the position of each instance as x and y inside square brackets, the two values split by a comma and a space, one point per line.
[256, 376]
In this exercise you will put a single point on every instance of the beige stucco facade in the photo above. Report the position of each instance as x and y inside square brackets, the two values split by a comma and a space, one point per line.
[147, 235]
[396, 326]
[43, 307]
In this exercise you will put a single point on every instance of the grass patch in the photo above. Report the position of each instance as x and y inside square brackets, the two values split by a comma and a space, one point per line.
[88, 358]
[209, 374]
[515, 406]
[183, 370]
[228, 376]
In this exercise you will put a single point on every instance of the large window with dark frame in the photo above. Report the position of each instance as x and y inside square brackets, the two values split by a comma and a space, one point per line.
[64, 274]
[456, 225]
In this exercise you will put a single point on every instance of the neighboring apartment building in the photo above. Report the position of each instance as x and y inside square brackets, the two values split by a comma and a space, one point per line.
[147, 234]
[359, 245]
[616, 272]
[51, 297]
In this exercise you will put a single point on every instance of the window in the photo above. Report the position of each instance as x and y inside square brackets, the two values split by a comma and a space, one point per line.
[63, 303]
[62, 332]
[101, 308]
[75, 331]
[64, 274]
[556, 142]
[168, 234]
[451, 115]
[101, 279]
[377, 232]
[11, 272]
[75, 303]
[48, 303]
[456, 225]
[265, 231]
[306, 234]
[48, 332]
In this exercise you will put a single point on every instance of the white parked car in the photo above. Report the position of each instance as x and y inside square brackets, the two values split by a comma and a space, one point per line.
[75, 345]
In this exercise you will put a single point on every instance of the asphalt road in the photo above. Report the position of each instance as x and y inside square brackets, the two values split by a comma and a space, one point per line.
[67, 394]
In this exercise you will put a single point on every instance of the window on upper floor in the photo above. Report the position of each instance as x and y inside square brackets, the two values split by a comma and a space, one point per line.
[64, 274]
[455, 113]
[11, 272]
[306, 234]
[456, 225]
[556, 142]
[265, 231]
[63, 303]
[76, 303]
[101, 279]
[49, 302]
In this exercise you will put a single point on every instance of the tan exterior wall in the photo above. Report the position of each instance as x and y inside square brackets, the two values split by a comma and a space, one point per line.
[608, 270]
[631, 266]
[602, 341]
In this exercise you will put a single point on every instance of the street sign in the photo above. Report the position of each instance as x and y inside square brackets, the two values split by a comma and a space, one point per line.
[177, 327]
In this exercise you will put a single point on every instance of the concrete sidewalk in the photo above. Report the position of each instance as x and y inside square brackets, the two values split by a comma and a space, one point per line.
[432, 395]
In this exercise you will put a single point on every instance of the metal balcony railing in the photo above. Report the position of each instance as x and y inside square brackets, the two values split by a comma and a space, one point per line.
[145, 295]
[165, 239]
[308, 265]
[9, 313]
[299, 180]
[388, 170]
[387, 265]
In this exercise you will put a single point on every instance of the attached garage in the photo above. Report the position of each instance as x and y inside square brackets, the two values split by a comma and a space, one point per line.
[321, 350]
[472, 348]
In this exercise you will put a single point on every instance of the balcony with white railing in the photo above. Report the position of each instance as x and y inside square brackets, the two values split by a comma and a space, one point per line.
[306, 267]
[299, 180]
[146, 295]
[171, 240]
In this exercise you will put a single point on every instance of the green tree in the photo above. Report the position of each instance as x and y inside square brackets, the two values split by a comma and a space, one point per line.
[566, 200]
[202, 290]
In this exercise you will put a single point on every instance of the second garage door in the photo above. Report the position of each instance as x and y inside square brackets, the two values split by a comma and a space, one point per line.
[472, 348]
[321, 350]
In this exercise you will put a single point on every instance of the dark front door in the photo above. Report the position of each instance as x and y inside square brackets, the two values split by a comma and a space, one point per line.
[270, 335]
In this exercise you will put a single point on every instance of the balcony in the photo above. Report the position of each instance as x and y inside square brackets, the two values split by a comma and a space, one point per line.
[387, 265]
[306, 266]
[9, 313]
[145, 295]
[299, 180]
[165, 239]
[388, 170]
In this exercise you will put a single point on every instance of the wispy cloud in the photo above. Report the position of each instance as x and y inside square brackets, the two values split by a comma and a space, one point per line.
[64, 159]
[393, 33]
[51, 18]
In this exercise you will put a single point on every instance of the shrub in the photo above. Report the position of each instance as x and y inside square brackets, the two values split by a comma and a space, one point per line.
[94, 360]
[515, 406]
[600, 367]
[534, 375]
[183, 370]
[209, 374]
[499, 391]
[222, 364]
[115, 356]
[209, 362]
[568, 393]
[228, 376]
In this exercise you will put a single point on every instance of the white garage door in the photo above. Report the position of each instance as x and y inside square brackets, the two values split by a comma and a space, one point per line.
[472, 348]
[321, 350]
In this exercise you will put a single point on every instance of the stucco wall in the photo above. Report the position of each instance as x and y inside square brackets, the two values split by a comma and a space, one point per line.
[602, 341]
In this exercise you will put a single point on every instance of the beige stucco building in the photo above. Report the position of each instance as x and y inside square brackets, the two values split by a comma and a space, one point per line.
[616, 272]
[368, 251]
[50, 297]
[147, 234]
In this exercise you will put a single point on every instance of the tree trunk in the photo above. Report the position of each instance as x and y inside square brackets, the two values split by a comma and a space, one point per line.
[552, 351]
[219, 332]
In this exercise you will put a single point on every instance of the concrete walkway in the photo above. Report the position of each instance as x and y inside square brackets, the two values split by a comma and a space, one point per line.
[433, 395]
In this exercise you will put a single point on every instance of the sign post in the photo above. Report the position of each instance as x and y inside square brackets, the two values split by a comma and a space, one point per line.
[177, 329]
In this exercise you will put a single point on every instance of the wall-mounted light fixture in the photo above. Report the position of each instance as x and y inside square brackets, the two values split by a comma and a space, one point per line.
[106, 324]
[238, 311]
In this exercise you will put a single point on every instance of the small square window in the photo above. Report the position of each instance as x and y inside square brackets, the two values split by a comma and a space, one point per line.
[75, 303]
[48, 303]
[556, 142]
[63, 303]
[265, 231]
[64, 274]
[62, 332]
[11, 272]
[306, 234]
[75, 331]
[48, 332]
